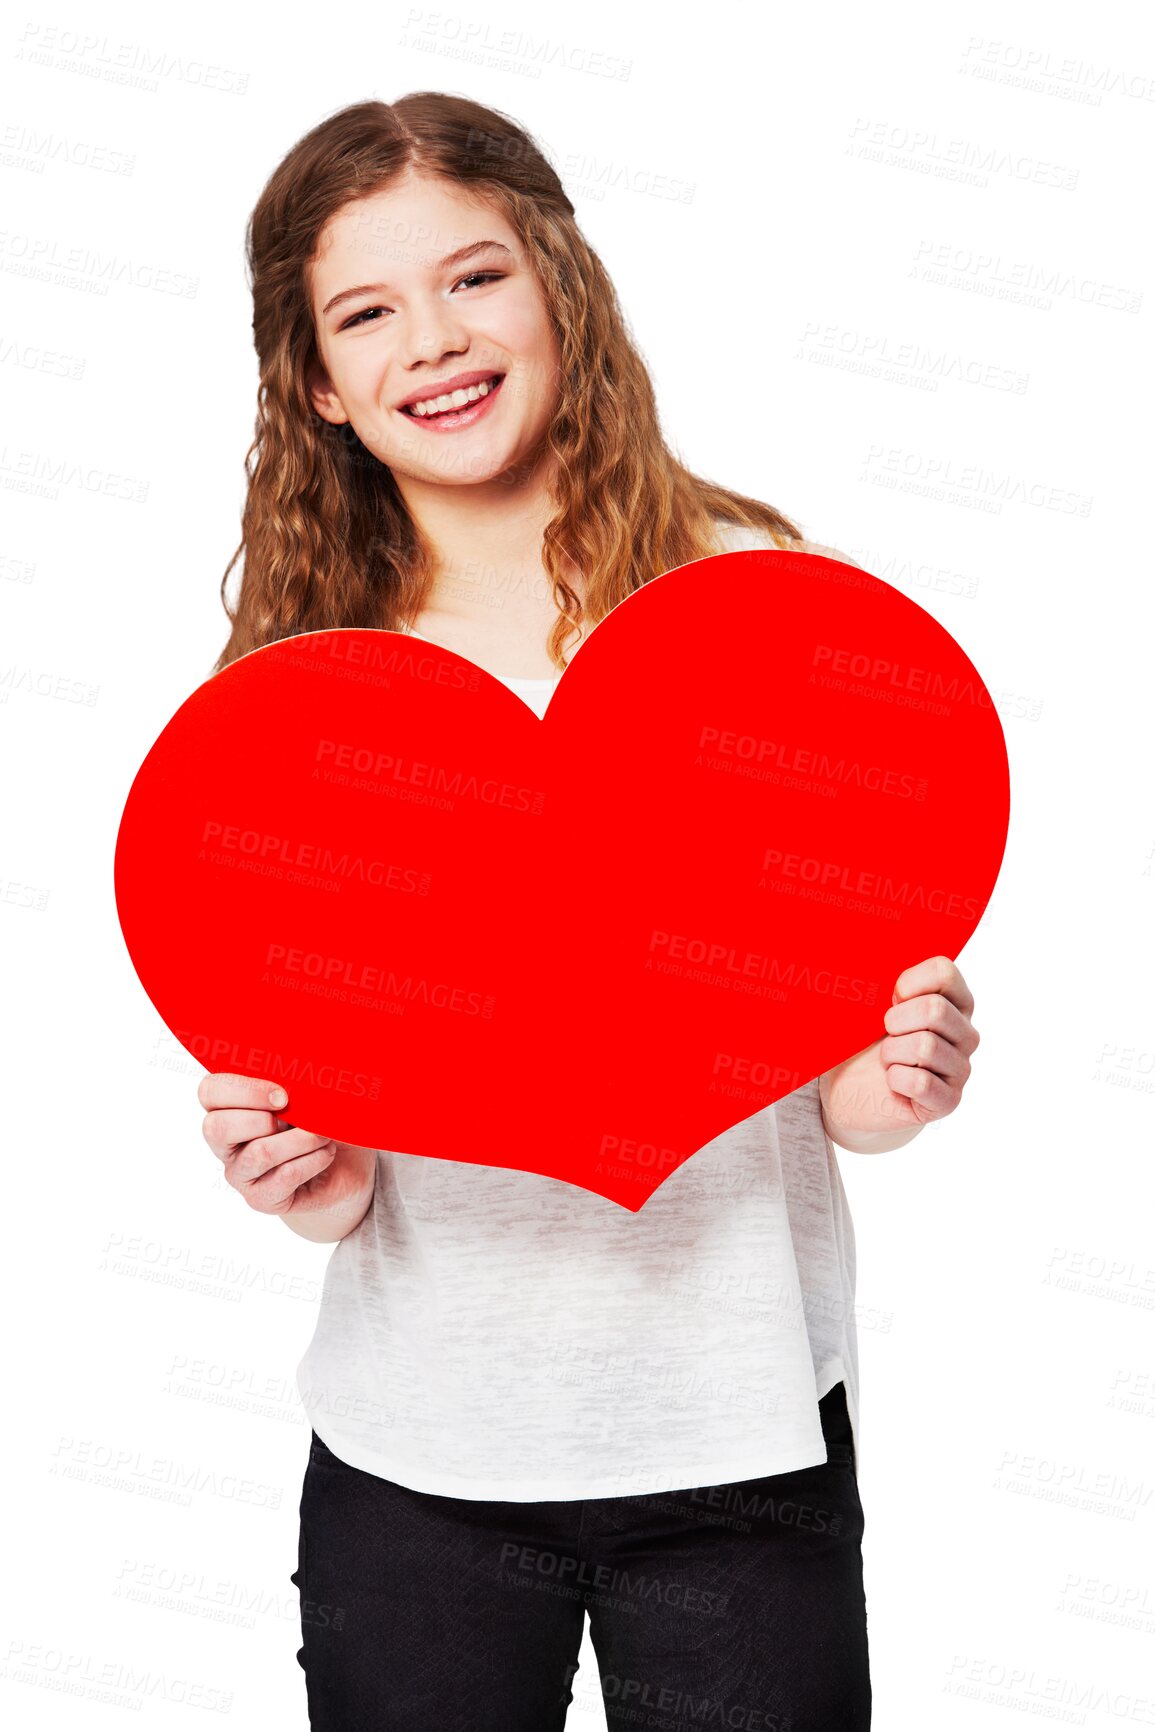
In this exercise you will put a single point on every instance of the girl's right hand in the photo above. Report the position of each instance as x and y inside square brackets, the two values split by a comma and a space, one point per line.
[278, 1168]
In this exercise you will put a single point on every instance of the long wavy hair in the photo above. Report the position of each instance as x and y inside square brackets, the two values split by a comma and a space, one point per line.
[326, 537]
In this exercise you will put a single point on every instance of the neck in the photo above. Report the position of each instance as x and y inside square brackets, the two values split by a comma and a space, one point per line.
[486, 543]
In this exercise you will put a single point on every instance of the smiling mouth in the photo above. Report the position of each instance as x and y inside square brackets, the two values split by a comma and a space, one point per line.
[492, 386]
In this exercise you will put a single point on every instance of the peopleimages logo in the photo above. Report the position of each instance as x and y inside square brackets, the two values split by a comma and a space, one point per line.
[230, 844]
[880, 671]
[692, 1710]
[219, 1054]
[674, 947]
[368, 770]
[859, 881]
[370, 984]
[758, 758]
[565, 1569]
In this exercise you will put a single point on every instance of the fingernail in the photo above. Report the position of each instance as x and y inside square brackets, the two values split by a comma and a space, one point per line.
[278, 1097]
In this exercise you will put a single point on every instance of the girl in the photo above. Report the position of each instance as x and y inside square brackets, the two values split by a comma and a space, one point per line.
[525, 1400]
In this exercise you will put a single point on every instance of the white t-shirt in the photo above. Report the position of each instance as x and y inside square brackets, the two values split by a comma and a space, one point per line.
[487, 1333]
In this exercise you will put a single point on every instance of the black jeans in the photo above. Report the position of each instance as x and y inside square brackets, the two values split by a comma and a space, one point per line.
[738, 1605]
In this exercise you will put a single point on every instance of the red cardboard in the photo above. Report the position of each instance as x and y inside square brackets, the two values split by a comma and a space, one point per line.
[584, 946]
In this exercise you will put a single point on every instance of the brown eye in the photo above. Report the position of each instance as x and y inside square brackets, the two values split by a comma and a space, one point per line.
[366, 315]
[482, 276]
[357, 317]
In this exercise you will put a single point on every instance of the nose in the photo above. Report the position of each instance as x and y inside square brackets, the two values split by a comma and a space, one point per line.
[434, 330]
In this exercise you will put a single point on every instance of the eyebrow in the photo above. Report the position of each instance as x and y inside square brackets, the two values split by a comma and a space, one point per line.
[446, 263]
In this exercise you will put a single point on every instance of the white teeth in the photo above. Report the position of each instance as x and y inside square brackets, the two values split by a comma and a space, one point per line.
[453, 400]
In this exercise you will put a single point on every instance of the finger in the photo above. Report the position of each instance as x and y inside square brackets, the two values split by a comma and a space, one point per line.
[224, 1089]
[226, 1129]
[936, 1013]
[928, 1094]
[254, 1159]
[936, 974]
[273, 1192]
[927, 1051]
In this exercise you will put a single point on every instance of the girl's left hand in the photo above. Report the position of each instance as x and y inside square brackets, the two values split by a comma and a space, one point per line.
[918, 1071]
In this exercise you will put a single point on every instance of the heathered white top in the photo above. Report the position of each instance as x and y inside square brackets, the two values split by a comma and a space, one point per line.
[487, 1333]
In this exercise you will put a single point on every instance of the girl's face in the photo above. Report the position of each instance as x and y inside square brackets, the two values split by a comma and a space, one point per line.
[411, 288]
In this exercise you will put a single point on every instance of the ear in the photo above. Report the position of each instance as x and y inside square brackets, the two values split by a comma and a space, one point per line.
[323, 396]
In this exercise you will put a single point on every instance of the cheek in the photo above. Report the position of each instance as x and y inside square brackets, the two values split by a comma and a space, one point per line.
[529, 337]
[357, 382]
[523, 326]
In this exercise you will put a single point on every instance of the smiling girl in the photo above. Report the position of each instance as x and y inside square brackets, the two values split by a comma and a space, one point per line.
[526, 1401]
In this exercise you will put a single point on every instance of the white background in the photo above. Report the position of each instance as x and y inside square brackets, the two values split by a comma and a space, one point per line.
[890, 217]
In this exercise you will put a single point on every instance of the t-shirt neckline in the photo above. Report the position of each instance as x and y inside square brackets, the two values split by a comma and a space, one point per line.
[510, 679]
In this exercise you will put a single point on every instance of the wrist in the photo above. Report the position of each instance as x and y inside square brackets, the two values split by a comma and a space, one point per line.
[326, 1224]
[869, 1142]
[881, 1138]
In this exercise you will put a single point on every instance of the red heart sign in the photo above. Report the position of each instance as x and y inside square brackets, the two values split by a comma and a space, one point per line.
[582, 946]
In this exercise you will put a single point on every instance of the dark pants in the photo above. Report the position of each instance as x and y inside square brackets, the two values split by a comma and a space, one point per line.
[736, 1605]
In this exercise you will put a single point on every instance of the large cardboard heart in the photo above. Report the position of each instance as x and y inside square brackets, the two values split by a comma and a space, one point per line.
[582, 946]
